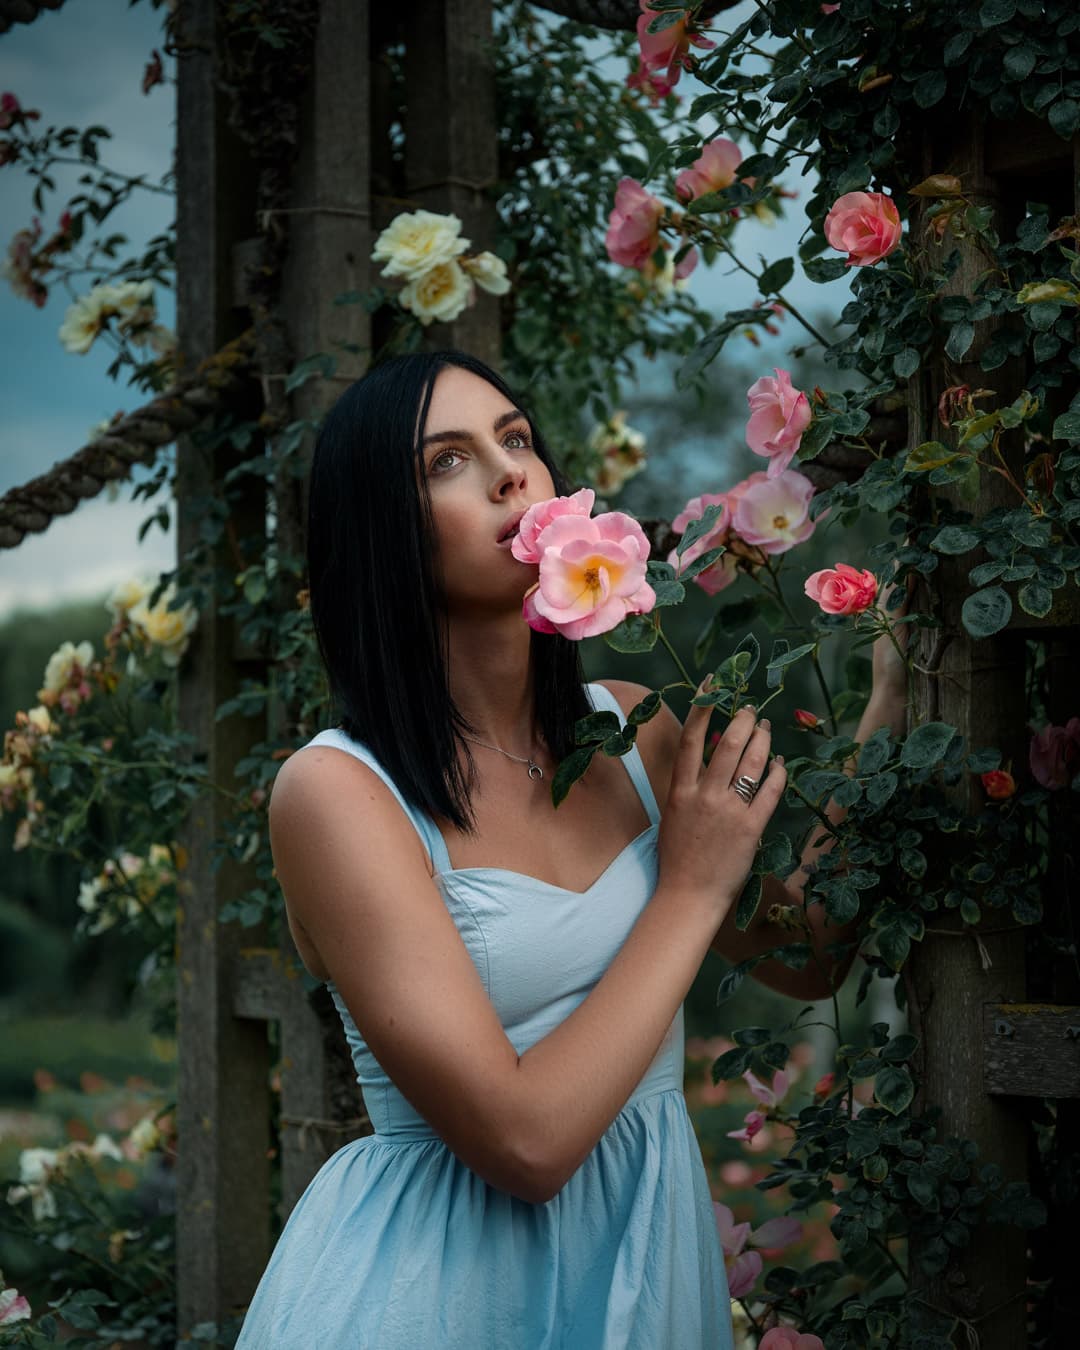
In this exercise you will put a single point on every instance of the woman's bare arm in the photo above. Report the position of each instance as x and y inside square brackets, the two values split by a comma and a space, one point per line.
[356, 877]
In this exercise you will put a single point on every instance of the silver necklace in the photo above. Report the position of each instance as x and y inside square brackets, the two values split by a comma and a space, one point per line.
[535, 771]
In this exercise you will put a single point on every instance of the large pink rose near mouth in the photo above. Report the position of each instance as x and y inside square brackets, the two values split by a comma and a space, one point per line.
[592, 575]
[526, 545]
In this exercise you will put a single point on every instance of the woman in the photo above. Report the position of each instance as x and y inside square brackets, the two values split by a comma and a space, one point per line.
[510, 977]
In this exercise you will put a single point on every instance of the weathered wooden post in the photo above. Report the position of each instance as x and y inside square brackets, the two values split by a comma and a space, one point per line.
[223, 1106]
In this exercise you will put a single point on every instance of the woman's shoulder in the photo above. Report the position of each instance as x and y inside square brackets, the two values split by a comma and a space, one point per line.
[657, 739]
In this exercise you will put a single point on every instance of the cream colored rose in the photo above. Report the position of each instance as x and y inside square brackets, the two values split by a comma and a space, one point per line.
[417, 241]
[62, 665]
[488, 271]
[40, 720]
[169, 629]
[145, 1136]
[83, 321]
[439, 294]
[621, 450]
[125, 595]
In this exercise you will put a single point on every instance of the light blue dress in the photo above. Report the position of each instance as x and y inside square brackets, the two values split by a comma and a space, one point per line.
[397, 1245]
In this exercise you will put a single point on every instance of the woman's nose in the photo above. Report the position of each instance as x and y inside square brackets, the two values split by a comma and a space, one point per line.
[510, 477]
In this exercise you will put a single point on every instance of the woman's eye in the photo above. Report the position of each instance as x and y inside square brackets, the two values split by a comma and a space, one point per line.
[439, 467]
[523, 437]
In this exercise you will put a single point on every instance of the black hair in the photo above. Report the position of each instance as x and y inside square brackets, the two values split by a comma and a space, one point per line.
[375, 601]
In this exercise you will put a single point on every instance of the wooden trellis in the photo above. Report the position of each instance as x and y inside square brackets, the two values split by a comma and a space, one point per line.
[344, 189]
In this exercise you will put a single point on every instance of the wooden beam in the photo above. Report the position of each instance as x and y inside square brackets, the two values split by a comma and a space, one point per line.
[223, 1103]
[1031, 1050]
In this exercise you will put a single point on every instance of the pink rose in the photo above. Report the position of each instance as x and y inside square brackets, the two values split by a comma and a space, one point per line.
[775, 514]
[779, 414]
[768, 1096]
[14, 1306]
[843, 590]
[663, 55]
[864, 225]
[788, 1338]
[633, 234]
[526, 546]
[722, 572]
[999, 785]
[743, 1267]
[753, 1123]
[1054, 754]
[808, 721]
[592, 575]
[713, 170]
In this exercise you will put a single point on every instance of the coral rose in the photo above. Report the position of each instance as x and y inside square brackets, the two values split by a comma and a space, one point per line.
[713, 170]
[843, 589]
[633, 234]
[592, 575]
[999, 785]
[526, 547]
[864, 225]
[779, 414]
[775, 514]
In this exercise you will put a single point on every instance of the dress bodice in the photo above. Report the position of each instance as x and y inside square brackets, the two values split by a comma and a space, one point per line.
[537, 947]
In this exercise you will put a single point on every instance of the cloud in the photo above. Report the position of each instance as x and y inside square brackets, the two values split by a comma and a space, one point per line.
[82, 556]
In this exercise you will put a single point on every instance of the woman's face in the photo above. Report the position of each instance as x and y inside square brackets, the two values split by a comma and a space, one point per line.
[483, 474]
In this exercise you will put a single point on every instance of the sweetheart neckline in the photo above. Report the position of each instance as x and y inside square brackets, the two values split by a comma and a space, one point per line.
[551, 885]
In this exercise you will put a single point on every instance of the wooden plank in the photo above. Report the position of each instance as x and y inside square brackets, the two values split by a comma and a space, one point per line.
[223, 1104]
[451, 147]
[1031, 1049]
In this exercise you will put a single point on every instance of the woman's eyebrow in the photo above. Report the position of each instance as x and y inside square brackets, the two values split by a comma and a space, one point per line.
[500, 422]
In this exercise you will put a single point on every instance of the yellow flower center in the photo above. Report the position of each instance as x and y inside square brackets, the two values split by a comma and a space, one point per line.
[780, 522]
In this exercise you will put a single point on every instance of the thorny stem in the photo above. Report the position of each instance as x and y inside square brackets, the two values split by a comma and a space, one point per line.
[675, 657]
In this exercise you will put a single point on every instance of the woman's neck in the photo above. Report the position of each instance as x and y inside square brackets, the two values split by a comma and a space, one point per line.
[490, 670]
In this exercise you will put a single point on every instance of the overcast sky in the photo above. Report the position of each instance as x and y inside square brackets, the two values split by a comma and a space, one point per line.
[83, 64]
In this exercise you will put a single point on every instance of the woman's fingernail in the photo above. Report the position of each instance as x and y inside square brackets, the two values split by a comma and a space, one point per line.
[765, 724]
[779, 759]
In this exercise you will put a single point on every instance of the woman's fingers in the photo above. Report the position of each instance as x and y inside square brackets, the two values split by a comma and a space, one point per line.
[768, 795]
[686, 770]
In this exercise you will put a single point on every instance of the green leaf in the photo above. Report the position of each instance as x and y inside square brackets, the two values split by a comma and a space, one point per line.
[927, 745]
[986, 612]
[751, 645]
[1064, 117]
[993, 12]
[823, 270]
[732, 1063]
[893, 944]
[776, 276]
[929, 455]
[875, 752]
[752, 1036]
[699, 527]
[774, 674]
[636, 633]
[841, 901]
[955, 539]
[699, 564]
[1036, 599]
[880, 788]
[905, 363]
[929, 89]
[790, 657]
[570, 770]
[646, 710]
[596, 726]
[1067, 426]
[748, 902]
[894, 1089]
[969, 910]
[322, 364]
[900, 1048]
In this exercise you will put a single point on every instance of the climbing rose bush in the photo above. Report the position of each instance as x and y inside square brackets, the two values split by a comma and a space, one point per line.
[427, 251]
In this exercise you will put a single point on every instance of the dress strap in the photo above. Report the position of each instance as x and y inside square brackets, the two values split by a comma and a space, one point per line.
[604, 700]
[432, 840]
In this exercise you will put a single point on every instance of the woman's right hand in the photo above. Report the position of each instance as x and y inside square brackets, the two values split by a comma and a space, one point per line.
[708, 834]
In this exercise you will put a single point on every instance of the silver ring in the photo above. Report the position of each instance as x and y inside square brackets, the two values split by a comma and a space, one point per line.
[746, 787]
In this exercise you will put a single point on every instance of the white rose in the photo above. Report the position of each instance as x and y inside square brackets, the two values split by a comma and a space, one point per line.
[62, 663]
[169, 629]
[125, 595]
[415, 242]
[9, 776]
[35, 1164]
[488, 271]
[126, 297]
[83, 321]
[145, 1136]
[89, 891]
[40, 720]
[104, 1146]
[443, 293]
